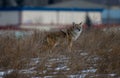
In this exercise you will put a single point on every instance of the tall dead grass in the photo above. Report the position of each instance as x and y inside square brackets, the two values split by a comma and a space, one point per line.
[95, 49]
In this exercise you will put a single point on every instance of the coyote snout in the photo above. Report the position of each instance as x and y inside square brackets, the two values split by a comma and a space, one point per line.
[63, 36]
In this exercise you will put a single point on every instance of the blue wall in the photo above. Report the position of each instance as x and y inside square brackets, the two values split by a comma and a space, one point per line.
[111, 16]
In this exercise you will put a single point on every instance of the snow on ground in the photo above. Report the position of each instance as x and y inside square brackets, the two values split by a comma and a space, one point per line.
[60, 67]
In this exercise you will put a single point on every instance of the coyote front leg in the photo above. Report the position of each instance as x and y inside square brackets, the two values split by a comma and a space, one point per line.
[51, 44]
[70, 45]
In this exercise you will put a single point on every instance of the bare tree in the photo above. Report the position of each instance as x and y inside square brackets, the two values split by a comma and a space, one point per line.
[88, 21]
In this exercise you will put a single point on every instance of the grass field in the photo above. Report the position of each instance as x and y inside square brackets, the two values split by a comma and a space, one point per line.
[96, 54]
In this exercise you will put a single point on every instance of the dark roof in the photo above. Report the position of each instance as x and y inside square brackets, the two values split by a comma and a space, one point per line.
[77, 4]
[106, 2]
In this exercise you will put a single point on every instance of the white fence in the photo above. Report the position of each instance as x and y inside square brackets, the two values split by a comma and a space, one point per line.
[61, 17]
[31, 16]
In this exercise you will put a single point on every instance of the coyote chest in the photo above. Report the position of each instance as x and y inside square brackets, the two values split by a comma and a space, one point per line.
[67, 36]
[76, 34]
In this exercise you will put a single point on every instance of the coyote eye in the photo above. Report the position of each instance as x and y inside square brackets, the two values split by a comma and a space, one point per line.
[79, 28]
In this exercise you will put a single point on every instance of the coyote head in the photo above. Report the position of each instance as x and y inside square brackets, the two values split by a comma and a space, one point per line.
[76, 30]
[77, 27]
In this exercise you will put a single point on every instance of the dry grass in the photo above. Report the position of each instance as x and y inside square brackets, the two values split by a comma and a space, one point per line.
[95, 49]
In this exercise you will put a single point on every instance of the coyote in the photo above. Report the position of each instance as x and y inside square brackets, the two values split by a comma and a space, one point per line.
[68, 35]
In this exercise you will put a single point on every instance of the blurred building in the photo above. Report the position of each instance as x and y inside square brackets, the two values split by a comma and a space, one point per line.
[110, 15]
[47, 15]
[58, 12]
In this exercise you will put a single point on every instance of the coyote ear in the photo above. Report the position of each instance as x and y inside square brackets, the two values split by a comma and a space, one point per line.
[80, 23]
[73, 23]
